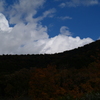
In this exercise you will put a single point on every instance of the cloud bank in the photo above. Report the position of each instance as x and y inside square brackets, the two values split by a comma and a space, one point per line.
[27, 34]
[32, 38]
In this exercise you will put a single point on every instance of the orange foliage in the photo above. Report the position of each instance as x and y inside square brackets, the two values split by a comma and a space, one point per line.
[50, 83]
[45, 83]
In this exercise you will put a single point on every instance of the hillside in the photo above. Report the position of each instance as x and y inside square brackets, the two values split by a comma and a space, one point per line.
[70, 74]
[77, 58]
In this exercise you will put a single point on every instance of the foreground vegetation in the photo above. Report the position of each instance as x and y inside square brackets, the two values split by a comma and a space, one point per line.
[51, 83]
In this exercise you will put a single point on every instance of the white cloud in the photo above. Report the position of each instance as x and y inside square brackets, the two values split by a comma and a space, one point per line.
[24, 10]
[65, 30]
[4, 26]
[61, 43]
[32, 38]
[74, 3]
[49, 13]
[29, 36]
[20, 34]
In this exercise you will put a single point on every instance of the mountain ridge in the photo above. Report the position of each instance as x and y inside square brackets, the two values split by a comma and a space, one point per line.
[79, 57]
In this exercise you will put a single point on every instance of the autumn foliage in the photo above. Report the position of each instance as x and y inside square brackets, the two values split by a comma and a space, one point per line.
[51, 83]
[65, 76]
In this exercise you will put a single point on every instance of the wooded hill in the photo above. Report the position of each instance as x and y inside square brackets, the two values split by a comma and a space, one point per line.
[76, 58]
[51, 76]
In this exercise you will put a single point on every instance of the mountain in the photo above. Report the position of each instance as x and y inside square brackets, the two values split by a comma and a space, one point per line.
[79, 57]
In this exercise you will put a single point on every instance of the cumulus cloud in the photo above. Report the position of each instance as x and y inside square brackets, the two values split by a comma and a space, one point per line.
[61, 43]
[28, 35]
[32, 38]
[4, 26]
[74, 3]
[65, 30]
[19, 35]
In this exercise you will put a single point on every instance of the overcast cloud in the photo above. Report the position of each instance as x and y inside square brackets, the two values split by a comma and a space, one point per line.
[29, 36]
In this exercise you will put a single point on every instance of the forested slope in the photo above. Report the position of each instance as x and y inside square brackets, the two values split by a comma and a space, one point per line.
[63, 76]
[77, 58]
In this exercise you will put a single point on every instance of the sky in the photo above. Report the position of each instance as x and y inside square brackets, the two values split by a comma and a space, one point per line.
[47, 26]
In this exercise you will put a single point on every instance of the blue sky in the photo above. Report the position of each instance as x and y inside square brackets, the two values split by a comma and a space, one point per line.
[84, 22]
[47, 26]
